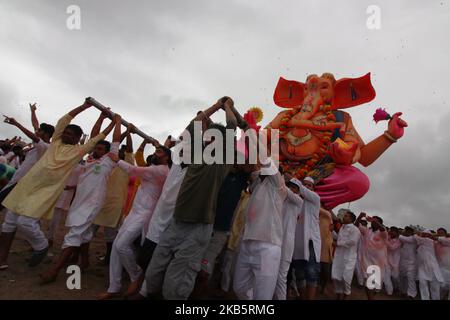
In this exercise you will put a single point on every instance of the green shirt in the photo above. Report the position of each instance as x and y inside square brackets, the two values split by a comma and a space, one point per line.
[197, 198]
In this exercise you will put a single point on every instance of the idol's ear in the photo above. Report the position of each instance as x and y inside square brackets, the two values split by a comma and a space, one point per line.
[350, 92]
[288, 93]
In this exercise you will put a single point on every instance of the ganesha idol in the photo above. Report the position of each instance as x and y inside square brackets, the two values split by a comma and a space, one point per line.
[318, 139]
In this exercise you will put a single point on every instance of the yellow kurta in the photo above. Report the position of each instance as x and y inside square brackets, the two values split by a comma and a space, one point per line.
[237, 228]
[36, 193]
[116, 194]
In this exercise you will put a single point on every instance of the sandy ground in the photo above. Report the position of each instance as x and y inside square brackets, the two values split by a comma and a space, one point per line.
[22, 282]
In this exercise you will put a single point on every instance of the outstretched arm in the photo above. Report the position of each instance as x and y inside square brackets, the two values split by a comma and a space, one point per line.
[80, 109]
[130, 129]
[118, 122]
[109, 128]
[34, 119]
[27, 132]
[98, 124]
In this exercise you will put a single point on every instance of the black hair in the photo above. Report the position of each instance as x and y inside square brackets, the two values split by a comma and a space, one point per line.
[352, 215]
[148, 160]
[106, 144]
[16, 148]
[47, 128]
[76, 129]
[395, 229]
[445, 230]
[409, 229]
[168, 153]
[380, 221]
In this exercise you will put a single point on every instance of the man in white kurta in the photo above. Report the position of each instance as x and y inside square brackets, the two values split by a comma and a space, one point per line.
[134, 225]
[292, 208]
[408, 263]
[392, 272]
[345, 256]
[258, 261]
[442, 248]
[428, 271]
[307, 242]
[374, 254]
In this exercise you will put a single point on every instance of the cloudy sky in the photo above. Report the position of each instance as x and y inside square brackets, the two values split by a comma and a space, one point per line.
[158, 62]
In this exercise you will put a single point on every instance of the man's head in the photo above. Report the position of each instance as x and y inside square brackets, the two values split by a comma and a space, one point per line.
[17, 150]
[442, 232]
[393, 232]
[71, 134]
[294, 185]
[348, 218]
[45, 132]
[161, 156]
[374, 226]
[408, 231]
[101, 148]
[308, 182]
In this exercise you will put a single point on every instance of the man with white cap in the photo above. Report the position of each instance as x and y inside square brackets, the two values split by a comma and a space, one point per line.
[428, 271]
[292, 207]
[307, 241]
[258, 261]
[442, 248]
[345, 256]
[408, 263]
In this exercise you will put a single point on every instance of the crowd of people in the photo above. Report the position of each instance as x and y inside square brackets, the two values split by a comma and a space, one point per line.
[173, 226]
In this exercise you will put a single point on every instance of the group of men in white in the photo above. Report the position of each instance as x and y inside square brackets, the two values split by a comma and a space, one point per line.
[270, 229]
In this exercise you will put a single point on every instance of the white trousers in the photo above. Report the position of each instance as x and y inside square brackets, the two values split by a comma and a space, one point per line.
[78, 235]
[342, 287]
[123, 255]
[227, 268]
[30, 228]
[256, 272]
[390, 282]
[430, 289]
[281, 287]
[408, 283]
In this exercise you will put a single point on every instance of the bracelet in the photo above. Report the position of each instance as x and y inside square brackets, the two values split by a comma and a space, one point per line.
[391, 138]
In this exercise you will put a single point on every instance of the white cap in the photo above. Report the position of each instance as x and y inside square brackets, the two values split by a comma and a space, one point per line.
[269, 169]
[309, 179]
[296, 182]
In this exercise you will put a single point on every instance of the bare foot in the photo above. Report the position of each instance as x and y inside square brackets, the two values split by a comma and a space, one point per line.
[48, 277]
[133, 288]
[108, 295]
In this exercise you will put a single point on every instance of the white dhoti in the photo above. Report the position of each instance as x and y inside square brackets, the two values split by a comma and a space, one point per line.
[281, 287]
[430, 289]
[123, 255]
[256, 272]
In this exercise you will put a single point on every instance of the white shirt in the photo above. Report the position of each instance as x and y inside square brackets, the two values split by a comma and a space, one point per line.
[374, 250]
[308, 226]
[165, 207]
[393, 256]
[152, 181]
[408, 255]
[264, 221]
[31, 158]
[346, 253]
[442, 248]
[292, 207]
[427, 265]
[91, 189]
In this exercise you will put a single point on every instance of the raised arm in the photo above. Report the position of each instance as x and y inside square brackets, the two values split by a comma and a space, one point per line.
[358, 220]
[98, 124]
[116, 121]
[117, 128]
[229, 114]
[130, 129]
[34, 119]
[27, 132]
[78, 110]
